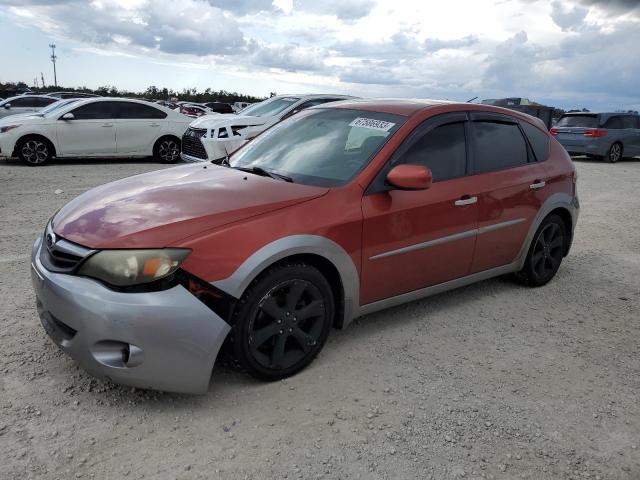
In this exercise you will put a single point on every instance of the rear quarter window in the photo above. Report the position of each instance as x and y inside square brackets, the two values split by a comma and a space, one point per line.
[613, 123]
[538, 140]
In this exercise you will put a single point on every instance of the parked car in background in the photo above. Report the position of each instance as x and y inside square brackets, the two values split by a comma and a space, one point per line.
[194, 111]
[24, 104]
[213, 138]
[606, 136]
[219, 107]
[71, 95]
[238, 106]
[95, 127]
[315, 223]
[44, 111]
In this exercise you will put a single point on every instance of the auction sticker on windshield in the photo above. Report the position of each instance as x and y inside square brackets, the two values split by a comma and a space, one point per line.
[372, 123]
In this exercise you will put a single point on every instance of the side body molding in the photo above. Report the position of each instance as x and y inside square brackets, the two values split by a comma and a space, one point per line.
[238, 282]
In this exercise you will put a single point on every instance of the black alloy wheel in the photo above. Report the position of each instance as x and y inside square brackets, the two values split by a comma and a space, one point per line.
[615, 153]
[34, 151]
[168, 150]
[546, 252]
[283, 321]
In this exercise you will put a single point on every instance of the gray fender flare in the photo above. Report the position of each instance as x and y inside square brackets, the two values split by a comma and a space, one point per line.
[271, 253]
[557, 200]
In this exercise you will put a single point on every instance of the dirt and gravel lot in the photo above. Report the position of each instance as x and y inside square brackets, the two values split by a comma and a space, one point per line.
[490, 381]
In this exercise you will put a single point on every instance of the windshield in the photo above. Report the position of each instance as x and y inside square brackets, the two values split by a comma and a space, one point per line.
[585, 121]
[324, 147]
[270, 107]
[56, 106]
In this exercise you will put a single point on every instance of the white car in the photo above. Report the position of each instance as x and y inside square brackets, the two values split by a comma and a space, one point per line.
[95, 127]
[24, 104]
[213, 137]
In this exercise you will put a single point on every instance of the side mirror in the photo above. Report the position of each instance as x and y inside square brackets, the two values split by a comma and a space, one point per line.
[410, 177]
[7, 106]
[67, 116]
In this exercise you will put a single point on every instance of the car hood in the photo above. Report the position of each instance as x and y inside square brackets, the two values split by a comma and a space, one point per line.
[23, 118]
[226, 119]
[160, 208]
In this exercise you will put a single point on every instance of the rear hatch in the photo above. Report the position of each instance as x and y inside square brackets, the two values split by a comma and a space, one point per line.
[570, 129]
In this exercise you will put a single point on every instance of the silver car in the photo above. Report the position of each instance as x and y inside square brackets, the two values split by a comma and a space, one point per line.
[607, 136]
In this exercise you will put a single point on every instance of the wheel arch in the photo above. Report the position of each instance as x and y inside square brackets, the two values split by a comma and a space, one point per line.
[39, 136]
[322, 253]
[562, 204]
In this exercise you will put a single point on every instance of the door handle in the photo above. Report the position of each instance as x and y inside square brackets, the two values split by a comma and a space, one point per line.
[466, 200]
[107, 125]
[537, 184]
[154, 124]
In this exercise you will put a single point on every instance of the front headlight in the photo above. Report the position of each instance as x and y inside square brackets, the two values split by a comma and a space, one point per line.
[124, 268]
[7, 128]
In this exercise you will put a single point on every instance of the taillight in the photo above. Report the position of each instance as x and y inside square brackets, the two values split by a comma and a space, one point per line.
[595, 133]
[553, 131]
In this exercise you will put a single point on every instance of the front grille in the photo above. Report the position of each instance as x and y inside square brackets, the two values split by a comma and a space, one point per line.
[191, 144]
[60, 255]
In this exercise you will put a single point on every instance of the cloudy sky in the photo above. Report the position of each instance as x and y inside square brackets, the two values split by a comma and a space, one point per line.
[569, 53]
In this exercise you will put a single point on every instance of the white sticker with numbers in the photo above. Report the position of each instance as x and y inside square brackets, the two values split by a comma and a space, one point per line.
[372, 123]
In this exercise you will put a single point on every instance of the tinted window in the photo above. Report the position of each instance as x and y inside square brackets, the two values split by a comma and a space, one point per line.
[443, 150]
[613, 123]
[22, 102]
[95, 110]
[585, 121]
[539, 141]
[498, 146]
[43, 102]
[138, 110]
[628, 121]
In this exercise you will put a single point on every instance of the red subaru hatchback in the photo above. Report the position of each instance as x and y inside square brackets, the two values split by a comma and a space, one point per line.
[334, 213]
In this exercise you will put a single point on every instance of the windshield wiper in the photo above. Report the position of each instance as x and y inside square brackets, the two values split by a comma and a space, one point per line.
[265, 173]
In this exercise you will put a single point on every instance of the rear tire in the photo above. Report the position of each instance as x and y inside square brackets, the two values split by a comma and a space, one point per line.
[282, 321]
[34, 151]
[614, 154]
[167, 150]
[546, 252]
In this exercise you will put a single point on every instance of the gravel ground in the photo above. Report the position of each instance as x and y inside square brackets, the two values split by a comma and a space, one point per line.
[489, 381]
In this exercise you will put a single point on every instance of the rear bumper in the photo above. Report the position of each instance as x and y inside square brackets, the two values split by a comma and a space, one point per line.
[591, 148]
[165, 340]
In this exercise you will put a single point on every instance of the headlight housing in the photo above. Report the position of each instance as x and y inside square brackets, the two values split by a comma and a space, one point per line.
[6, 128]
[124, 268]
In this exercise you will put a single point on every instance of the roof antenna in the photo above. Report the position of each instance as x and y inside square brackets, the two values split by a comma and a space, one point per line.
[471, 100]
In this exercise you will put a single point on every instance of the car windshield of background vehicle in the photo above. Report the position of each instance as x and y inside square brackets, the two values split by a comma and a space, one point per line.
[325, 147]
[270, 107]
[584, 121]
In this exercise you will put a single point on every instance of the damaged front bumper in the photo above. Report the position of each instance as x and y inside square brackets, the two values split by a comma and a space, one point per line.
[165, 340]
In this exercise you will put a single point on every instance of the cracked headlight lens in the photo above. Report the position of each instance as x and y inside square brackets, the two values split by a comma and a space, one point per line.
[124, 268]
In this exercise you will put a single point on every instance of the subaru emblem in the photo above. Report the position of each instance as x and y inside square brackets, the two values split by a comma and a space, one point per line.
[51, 239]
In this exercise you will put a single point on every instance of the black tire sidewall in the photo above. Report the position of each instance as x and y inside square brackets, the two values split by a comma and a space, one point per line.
[608, 156]
[528, 273]
[247, 308]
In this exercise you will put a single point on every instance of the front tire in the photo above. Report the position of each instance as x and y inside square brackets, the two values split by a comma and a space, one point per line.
[34, 151]
[167, 150]
[282, 321]
[545, 253]
[614, 154]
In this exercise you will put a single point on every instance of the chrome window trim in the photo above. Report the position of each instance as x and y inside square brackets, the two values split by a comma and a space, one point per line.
[448, 238]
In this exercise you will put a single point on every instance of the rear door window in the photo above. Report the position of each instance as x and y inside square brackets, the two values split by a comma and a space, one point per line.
[133, 110]
[24, 102]
[583, 121]
[442, 150]
[498, 146]
[613, 123]
[538, 140]
[628, 121]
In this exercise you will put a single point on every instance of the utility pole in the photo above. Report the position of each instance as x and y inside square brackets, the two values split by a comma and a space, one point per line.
[53, 59]
[42, 76]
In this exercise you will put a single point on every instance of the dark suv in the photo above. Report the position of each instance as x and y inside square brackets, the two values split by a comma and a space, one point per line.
[607, 136]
